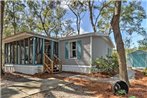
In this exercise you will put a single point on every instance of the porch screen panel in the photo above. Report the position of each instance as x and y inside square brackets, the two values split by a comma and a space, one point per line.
[16, 52]
[11, 53]
[56, 48]
[28, 50]
[8, 52]
[38, 51]
[31, 50]
[43, 50]
[5, 53]
[25, 47]
[19, 50]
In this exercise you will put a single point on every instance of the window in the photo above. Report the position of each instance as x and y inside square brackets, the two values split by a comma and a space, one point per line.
[73, 49]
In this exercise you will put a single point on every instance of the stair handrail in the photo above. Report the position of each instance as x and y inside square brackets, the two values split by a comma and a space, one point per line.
[51, 61]
[60, 62]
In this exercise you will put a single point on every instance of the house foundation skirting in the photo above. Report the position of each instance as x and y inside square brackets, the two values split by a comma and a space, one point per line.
[77, 68]
[32, 69]
[138, 68]
[26, 69]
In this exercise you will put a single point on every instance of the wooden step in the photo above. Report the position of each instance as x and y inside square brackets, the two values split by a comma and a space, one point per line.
[52, 66]
[55, 69]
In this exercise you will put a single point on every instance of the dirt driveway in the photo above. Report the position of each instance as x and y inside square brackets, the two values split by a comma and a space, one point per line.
[22, 86]
[66, 85]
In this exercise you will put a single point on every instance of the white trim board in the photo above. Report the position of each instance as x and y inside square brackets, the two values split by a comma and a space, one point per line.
[138, 67]
[31, 69]
[77, 68]
[26, 69]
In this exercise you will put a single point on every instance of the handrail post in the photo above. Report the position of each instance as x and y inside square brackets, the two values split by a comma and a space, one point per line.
[52, 67]
[43, 62]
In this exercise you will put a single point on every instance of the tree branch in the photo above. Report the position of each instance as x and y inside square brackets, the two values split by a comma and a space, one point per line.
[104, 5]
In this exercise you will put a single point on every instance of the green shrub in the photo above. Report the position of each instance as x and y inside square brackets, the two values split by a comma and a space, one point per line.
[121, 92]
[108, 65]
[145, 71]
[132, 97]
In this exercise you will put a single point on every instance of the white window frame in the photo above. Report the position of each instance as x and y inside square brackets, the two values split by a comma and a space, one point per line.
[70, 49]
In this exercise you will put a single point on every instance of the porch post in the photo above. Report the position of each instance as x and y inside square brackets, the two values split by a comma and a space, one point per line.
[24, 51]
[28, 50]
[43, 47]
[13, 51]
[52, 49]
[10, 52]
[34, 52]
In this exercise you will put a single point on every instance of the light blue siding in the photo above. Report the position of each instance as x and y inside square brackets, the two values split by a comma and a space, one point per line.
[138, 59]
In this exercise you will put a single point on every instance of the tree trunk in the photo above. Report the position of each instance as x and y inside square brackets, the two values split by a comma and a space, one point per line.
[119, 43]
[78, 20]
[14, 22]
[91, 15]
[1, 30]
[78, 24]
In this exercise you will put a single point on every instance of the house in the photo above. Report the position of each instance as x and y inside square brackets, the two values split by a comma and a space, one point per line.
[32, 53]
[137, 59]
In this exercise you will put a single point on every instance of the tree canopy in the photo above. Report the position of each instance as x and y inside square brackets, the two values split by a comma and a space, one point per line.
[51, 18]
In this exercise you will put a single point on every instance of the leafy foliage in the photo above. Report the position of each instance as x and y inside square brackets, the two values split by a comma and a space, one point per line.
[132, 17]
[35, 16]
[143, 43]
[145, 71]
[121, 92]
[13, 16]
[49, 16]
[78, 8]
[108, 65]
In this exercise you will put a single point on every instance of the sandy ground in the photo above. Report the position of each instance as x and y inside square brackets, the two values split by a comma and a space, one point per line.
[80, 88]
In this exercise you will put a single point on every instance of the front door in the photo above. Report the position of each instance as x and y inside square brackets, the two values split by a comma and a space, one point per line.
[51, 48]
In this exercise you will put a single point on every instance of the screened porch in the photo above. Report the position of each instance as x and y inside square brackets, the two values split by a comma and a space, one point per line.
[29, 50]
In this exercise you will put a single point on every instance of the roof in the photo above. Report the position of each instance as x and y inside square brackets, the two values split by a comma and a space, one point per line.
[102, 35]
[138, 51]
[23, 35]
[83, 35]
